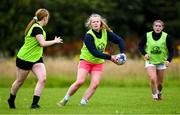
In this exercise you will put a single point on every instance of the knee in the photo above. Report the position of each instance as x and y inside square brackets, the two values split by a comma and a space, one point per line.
[95, 85]
[153, 80]
[19, 82]
[79, 83]
[42, 80]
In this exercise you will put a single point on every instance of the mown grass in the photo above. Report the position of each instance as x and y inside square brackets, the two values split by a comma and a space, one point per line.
[106, 100]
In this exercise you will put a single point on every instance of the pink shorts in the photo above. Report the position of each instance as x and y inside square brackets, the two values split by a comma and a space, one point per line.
[90, 66]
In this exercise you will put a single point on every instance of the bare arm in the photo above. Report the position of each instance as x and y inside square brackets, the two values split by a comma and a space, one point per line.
[45, 43]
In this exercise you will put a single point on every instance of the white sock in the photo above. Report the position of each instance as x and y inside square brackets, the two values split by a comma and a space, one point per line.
[66, 97]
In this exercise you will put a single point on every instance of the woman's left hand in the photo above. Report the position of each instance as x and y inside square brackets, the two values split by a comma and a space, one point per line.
[58, 39]
[167, 63]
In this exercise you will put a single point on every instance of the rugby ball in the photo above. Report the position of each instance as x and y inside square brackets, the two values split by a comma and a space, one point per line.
[121, 58]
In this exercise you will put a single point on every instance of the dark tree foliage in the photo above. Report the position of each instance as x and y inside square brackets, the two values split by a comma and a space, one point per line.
[68, 17]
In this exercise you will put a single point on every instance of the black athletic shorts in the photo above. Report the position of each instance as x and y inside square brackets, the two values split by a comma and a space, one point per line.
[25, 65]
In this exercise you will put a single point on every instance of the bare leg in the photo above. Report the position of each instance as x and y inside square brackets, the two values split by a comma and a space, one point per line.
[40, 71]
[81, 77]
[160, 80]
[21, 76]
[152, 73]
[95, 80]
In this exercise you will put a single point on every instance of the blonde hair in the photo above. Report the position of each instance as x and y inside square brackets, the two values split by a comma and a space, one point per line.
[103, 22]
[159, 21]
[39, 15]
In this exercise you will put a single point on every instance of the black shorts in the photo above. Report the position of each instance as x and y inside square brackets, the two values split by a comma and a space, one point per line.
[25, 65]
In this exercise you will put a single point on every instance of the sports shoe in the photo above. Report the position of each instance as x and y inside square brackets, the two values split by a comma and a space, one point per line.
[62, 102]
[155, 97]
[83, 102]
[35, 106]
[11, 104]
[159, 96]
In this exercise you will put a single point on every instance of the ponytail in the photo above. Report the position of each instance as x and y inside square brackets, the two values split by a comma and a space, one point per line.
[29, 25]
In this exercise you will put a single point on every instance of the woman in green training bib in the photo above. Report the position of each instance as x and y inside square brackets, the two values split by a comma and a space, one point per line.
[29, 57]
[92, 57]
[156, 46]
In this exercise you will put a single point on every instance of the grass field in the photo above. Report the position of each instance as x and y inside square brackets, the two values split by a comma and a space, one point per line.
[123, 89]
[107, 100]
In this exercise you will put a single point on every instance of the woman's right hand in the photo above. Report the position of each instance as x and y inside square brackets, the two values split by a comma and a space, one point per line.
[113, 59]
[58, 39]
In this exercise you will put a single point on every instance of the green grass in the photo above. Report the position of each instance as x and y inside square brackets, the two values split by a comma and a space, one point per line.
[106, 100]
[66, 81]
